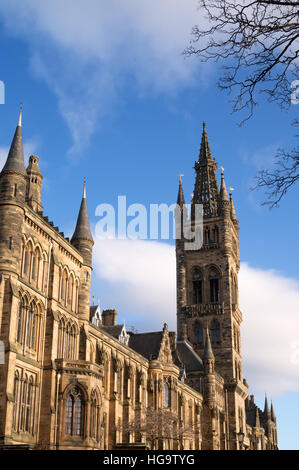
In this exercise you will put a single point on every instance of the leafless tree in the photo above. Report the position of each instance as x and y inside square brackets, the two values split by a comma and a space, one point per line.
[258, 44]
[158, 425]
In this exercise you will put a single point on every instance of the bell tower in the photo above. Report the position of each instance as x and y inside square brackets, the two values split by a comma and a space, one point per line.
[207, 282]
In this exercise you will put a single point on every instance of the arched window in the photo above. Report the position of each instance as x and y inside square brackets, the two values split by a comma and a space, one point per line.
[29, 400]
[76, 299]
[31, 326]
[69, 341]
[74, 413]
[23, 404]
[197, 286]
[27, 255]
[16, 401]
[94, 416]
[207, 236]
[71, 292]
[63, 291]
[198, 333]
[60, 344]
[21, 315]
[215, 234]
[214, 285]
[166, 396]
[215, 332]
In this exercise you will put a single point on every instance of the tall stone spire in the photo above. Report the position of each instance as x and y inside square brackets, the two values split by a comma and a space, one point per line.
[206, 191]
[82, 230]
[15, 158]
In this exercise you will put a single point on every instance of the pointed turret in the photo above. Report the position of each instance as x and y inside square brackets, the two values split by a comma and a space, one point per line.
[82, 238]
[208, 352]
[232, 208]
[257, 418]
[82, 230]
[223, 192]
[181, 199]
[224, 204]
[15, 158]
[83, 241]
[266, 408]
[273, 416]
[206, 190]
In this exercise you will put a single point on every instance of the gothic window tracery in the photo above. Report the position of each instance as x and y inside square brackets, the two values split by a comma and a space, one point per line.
[24, 400]
[74, 413]
[94, 416]
[166, 395]
[67, 340]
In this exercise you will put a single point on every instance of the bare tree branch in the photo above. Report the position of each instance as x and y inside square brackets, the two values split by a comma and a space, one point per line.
[257, 43]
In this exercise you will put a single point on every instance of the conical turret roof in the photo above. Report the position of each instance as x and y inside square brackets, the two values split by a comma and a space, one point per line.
[82, 230]
[208, 352]
[15, 158]
[180, 199]
[223, 192]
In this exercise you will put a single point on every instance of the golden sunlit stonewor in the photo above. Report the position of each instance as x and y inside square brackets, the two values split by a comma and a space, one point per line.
[74, 378]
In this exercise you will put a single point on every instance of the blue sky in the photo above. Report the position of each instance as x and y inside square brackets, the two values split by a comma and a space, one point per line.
[107, 95]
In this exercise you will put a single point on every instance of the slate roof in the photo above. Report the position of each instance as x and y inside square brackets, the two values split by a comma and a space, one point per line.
[146, 344]
[114, 330]
[188, 357]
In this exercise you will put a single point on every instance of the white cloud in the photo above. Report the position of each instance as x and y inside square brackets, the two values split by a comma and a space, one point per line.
[86, 51]
[139, 278]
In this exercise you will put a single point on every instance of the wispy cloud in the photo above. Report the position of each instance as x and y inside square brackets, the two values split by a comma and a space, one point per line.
[87, 51]
[139, 278]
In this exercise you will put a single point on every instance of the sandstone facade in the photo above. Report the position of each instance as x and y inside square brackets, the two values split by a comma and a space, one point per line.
[75, 379]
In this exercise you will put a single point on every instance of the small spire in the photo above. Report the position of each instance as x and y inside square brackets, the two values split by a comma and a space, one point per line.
[15, 158]
[232, 206]
[205, 151]
[20, 115]
[82, 230]
[273, 416]
[208, 352]
[223, 191]
[84, 188]
[180, 199]
[266, 407]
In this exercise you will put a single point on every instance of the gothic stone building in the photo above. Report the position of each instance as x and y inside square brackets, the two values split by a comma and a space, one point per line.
[73, 378]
